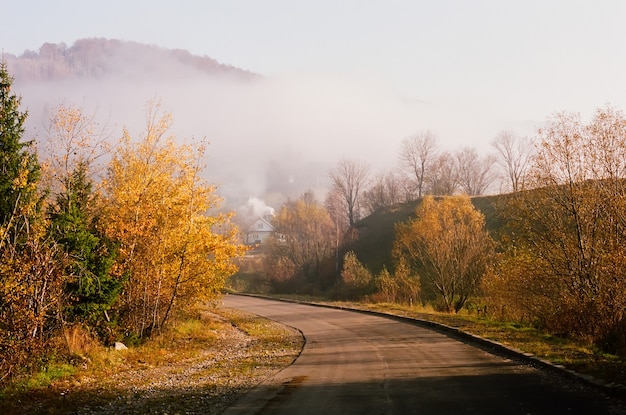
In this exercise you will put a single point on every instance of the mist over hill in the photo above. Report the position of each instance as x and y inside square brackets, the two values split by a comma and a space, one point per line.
[271, 137]
[102, 58]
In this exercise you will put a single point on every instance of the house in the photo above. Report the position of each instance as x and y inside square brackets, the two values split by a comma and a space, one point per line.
[259, 231]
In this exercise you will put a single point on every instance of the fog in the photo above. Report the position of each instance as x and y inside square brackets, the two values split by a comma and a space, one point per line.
[270, 137]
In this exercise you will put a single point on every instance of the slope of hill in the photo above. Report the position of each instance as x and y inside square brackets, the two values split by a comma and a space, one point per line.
[376, 232]
[104, 57]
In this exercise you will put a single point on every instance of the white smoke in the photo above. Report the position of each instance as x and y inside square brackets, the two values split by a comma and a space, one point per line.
[255, 208]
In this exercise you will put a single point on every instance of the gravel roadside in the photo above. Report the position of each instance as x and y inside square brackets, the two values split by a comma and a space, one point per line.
[204, 384]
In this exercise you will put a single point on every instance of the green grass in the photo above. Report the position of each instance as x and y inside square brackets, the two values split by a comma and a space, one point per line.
[44, 378]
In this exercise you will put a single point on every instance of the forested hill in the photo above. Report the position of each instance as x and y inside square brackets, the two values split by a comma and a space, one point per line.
[99, 58]
[376, 232]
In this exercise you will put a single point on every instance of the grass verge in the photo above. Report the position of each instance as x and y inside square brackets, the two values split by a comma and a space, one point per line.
[200, 365]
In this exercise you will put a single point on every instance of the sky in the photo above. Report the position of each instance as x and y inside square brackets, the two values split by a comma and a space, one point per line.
[465, 70]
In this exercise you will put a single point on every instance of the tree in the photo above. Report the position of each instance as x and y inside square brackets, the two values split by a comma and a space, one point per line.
[408, 283]
[30, 273]
[416, 154]
[444, 177]
[514, 155]
[402, 286]
[572, 225]
[73, 149]
[89, 287]
[335, 206]
[356, 280]
[19, 167]
[448, 245]
[385, 190]
[31, 281]
[349, 178]
[172, 252]
[307, 241]
[475, 172]
[74, 138]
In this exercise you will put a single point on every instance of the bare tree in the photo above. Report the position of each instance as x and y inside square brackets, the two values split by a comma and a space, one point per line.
[514, 154]
[385, 190]
[393, 188]
[475, 173]
[349, 178]
[444, 177]
[407, 188]
[416, 153]
[335, 206]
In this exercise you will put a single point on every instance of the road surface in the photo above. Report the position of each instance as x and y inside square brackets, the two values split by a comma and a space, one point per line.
[354, 363]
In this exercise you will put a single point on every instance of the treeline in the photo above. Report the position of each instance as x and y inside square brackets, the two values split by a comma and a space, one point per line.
[425, 169]
[111, 249]
[558, 261]
[96, 57]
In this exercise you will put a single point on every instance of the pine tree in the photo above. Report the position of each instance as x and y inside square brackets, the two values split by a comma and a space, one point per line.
[19, 167]
[30, 278]
[90, 289]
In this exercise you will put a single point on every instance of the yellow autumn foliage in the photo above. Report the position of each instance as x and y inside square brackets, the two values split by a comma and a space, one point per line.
[564, 266]
[448, 245]
[173, 253]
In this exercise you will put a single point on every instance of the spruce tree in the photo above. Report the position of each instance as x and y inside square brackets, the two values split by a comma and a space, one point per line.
[90, 289]
[19, 167]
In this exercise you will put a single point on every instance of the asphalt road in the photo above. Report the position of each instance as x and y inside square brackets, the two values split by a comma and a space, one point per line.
[355, 363]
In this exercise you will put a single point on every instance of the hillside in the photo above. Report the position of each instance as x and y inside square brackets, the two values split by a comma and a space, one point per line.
[376, 232]
[99, 58]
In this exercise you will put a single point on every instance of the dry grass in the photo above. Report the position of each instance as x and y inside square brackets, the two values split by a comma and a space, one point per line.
[574, 355]
[203, 361]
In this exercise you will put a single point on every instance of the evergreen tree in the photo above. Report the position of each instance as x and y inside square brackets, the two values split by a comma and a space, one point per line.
[30, 278]
[19, 167]
[90, 289]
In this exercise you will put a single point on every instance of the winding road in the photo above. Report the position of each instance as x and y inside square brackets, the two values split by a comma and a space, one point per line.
[356, 363]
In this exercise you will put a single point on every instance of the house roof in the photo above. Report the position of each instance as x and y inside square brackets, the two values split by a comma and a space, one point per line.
[261, 225]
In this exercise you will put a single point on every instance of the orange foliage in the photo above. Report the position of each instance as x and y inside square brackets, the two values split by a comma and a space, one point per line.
[447, 244]
[172, 253]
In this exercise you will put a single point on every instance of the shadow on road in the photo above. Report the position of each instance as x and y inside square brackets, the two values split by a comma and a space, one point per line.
[484, 394]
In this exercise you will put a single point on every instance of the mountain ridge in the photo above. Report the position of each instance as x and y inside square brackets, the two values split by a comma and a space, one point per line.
[100, 57]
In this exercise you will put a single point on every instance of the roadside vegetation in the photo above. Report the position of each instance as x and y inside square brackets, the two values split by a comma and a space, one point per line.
[103, 243]
[199, 364]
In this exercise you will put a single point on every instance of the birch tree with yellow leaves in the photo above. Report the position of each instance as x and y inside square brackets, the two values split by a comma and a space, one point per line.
[74, 138]
[448, 245]
[173, 253]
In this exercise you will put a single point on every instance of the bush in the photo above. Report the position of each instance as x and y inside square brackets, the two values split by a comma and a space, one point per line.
[356, 281]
